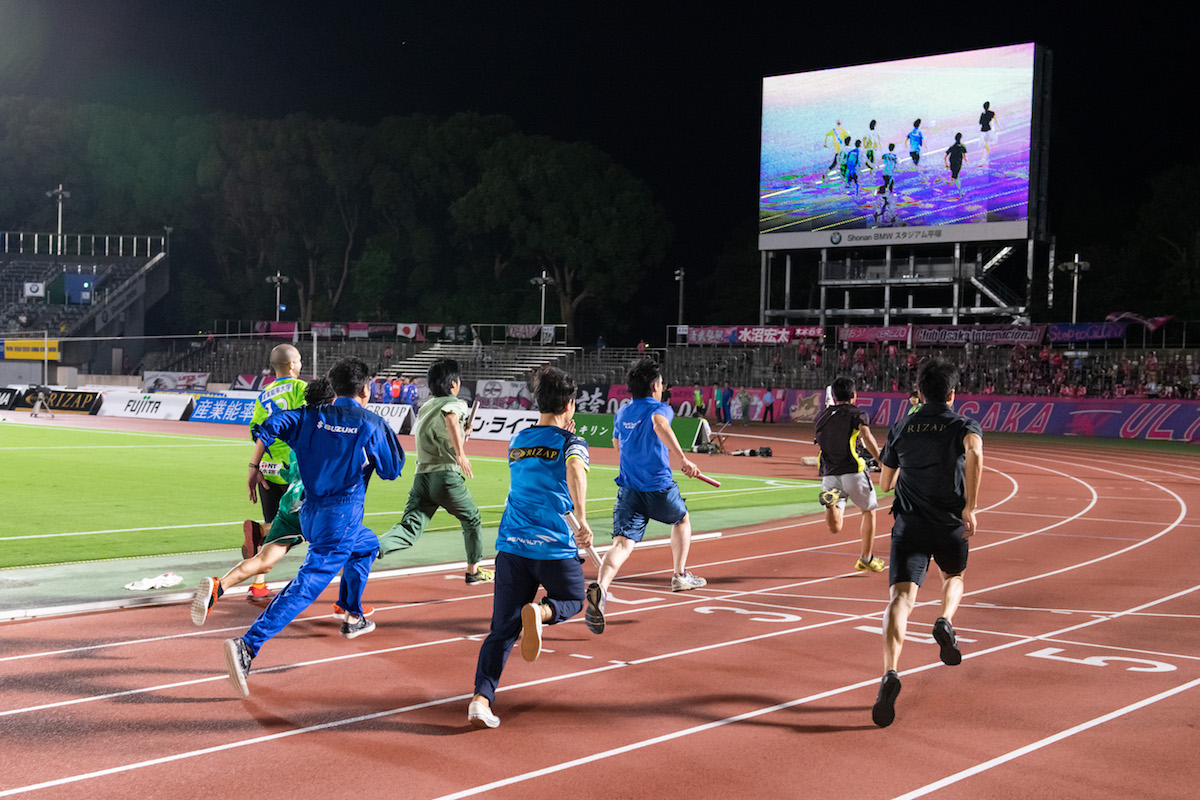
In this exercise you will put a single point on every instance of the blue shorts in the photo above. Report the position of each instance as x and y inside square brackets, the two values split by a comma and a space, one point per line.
[635, 508]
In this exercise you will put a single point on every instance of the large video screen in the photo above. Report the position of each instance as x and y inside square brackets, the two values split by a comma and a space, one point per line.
[921, 150]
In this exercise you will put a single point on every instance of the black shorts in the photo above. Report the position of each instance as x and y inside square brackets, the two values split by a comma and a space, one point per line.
[915, 541]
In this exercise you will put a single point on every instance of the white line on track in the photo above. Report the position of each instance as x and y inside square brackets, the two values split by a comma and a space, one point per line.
[748, 715]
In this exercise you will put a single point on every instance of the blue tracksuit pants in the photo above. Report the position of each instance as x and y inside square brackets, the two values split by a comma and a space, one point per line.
[337, 541]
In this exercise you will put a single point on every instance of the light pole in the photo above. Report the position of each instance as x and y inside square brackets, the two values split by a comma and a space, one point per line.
[1074, 267]
[60, 194]
[278, 280]
[679, 275]
[542, 282]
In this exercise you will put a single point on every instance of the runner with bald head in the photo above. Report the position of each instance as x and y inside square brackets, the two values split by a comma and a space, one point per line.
[285, 393]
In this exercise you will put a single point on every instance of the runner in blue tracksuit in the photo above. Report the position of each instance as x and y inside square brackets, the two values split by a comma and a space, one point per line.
[337, 446]
[548, 466]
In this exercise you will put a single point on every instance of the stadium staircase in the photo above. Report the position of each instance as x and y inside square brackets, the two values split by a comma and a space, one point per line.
[512, 362]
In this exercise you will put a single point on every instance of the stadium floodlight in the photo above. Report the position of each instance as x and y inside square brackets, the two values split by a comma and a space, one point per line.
[60, 193]
[542, 283]
[278, 280]
[1074, 267]
[679, 275]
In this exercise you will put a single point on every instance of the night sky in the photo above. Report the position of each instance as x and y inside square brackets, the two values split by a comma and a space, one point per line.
[670, 91]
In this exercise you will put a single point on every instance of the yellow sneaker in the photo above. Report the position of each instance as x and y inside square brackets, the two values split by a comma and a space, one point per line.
[874, 565]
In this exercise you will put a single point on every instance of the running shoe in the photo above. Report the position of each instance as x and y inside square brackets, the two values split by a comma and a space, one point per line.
[340, 613]
[873, 564]
[354, 627]
[251, 538]
[481, 716]
[884, 710]
[238, 658]
[829, 498]
[943, 634]
[258, 591]
[481, 576]
[686, 582]
[531, 631]
[204, 599]
[593, 613]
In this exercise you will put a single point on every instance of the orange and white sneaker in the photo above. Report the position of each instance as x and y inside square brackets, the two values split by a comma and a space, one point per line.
[204, 599]
[258, 592]
[340, 613]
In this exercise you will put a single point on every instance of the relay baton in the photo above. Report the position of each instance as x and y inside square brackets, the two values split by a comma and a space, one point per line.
[708, 480]
[573, 524]
[471, 420]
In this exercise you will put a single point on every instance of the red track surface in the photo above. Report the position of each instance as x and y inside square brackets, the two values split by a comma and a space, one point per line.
[1081, 675]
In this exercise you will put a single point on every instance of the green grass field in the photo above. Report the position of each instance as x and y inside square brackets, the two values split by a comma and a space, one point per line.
[83, 495]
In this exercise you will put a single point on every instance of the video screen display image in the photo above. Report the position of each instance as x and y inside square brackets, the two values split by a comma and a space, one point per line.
[934, 148]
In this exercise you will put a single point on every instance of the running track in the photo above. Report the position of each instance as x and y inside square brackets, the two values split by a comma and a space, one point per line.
[1081, 675]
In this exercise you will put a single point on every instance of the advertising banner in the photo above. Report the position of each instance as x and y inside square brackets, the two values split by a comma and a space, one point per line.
[230, 410]
[503, 394]
[31, 349]
[145, 406]
[872, 333]
[60, 400]
[400, 417]
[982, 335]
[35, 289]
[1085, 331]
[1130, 418]
[498, 424]
[175, 381]
[597, 430]
[751, 334]
[8, 398]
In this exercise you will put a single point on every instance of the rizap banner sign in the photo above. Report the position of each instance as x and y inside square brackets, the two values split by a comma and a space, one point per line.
[65, 400]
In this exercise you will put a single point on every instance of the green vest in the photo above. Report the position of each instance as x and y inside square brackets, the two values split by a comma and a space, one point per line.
[284, 394]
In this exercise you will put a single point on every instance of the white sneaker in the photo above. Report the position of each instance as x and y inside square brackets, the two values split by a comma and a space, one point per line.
[481, 716]
[686, 582]
[531, 631]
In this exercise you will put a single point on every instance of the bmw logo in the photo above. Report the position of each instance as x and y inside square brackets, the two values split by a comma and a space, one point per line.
[835, 237]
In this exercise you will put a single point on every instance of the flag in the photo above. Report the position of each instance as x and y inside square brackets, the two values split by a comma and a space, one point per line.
[1152, 323]
[408, 330]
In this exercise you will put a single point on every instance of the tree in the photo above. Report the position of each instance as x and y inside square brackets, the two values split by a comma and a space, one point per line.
[567, 209]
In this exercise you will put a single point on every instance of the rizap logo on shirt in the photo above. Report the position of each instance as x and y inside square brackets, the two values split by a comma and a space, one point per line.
[334, 428]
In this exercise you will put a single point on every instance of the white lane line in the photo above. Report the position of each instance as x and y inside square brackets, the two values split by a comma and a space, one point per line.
[657, 658]
[950, 780]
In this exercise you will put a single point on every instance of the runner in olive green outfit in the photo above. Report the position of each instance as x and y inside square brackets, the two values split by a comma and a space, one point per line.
[442, 464]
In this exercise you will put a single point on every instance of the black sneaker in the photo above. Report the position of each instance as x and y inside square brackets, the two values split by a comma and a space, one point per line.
[884, 710]
[354, 627]
[593, 614]
[481, 575]
[943, 634]
[238, 658]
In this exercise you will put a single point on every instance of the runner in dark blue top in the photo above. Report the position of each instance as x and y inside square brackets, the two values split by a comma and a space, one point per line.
[548, 466]
[934, 460]
[646, 488]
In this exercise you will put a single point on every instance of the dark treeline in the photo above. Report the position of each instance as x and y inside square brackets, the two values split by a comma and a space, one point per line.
[414, 218]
